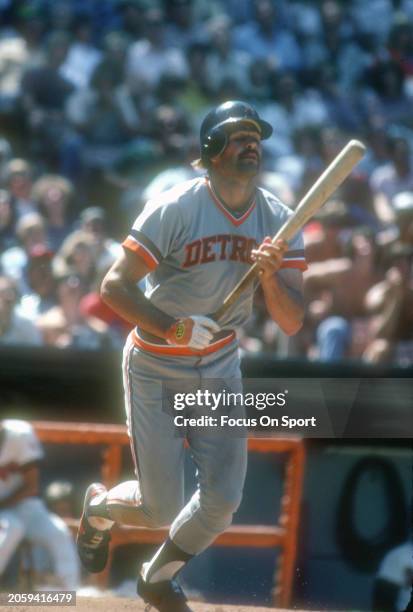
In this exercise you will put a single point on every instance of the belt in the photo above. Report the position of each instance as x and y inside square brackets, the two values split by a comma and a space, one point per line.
[153, 344]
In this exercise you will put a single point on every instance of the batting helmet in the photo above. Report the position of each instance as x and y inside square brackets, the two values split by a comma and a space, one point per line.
[220, 121]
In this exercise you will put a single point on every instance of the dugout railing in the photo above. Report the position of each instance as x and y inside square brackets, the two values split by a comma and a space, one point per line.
[283, 534]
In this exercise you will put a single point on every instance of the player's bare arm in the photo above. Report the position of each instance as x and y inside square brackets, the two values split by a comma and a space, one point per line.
[121, 292]
[283, 291]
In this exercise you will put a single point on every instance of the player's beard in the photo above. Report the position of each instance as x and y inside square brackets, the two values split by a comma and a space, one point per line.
[248, 166]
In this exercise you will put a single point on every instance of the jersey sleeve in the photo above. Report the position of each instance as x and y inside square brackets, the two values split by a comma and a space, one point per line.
[28, 447]
[295, 256]
[154, 233]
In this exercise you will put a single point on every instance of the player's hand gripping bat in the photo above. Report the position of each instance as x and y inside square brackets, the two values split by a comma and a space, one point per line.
[322, 189]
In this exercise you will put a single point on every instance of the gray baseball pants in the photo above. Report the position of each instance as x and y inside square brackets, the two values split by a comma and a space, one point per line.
[220, 460]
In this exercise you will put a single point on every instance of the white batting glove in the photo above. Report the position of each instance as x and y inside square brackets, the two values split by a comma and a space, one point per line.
[195, 332]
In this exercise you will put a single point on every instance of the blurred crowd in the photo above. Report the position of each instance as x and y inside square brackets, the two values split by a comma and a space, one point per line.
[100, 107]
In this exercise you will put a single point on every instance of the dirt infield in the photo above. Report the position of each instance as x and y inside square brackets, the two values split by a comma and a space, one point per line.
[110, 604]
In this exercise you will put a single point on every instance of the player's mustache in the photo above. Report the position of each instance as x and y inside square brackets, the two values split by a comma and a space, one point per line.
[249, 153]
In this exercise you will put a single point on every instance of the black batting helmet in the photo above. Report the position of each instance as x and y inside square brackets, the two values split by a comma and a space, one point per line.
[220, 121]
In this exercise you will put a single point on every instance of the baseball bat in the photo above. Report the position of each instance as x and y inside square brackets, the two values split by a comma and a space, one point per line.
[332, 177]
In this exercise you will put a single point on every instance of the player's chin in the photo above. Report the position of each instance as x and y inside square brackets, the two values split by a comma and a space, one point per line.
[249, 166]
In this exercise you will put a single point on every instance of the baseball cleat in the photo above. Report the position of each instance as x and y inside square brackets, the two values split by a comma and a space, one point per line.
[165, 596]
[92, 544]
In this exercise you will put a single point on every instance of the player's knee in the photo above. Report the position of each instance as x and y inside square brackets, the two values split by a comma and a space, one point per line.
[162, 516]
[222, 501]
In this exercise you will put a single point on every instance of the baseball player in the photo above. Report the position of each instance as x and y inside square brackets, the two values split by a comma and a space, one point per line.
[22, 514]
[192, 243]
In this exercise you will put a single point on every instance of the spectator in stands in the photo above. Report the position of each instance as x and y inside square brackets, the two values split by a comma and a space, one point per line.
[361, 14]
[223, 60]
[258, 82]
[402, 205]
[402, 230]
[337, 29]
[265, 38]
[5, 156]
[23, 515]
[14, 328]
[66, 326]
[181, 170]
[392, 178]
[325, 235]
[133, 18]
[400, 44]
[171, 129]
[53, 195]
[95, 113]
[386, 101]
[61, 14]
[42, 290]
[195, 92]
[44, 94]
[115, 46]
[99, 315]
[149, 58]
[8, 237]
[20, 49]
[31, 233]
[93, 223]
[132, 103]
[390, 304]
[377, 154]
[82, 57]
[77, 257]
[331, 140]
[18, 179]
[304, 158]
[341, 106]
[332, 307]
[358, 196]
[293, 109]
[181, 28]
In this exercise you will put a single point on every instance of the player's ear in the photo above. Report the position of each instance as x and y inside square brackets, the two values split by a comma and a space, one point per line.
[213, 161]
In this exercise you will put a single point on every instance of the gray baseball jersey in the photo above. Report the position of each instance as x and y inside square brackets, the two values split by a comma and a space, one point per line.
[197, 249]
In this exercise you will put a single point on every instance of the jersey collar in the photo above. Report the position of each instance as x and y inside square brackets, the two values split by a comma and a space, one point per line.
[224, 209]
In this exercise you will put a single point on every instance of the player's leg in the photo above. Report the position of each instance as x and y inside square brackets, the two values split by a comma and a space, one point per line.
[156, 496]
[221, 467]
[50, 532]
[221, 472]
[12, 531]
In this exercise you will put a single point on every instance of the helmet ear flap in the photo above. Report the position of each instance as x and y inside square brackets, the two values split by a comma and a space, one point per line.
[214, 143]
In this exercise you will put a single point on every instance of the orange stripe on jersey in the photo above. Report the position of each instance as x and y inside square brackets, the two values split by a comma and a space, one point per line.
[234, 220]
[298, 264]
[133, 245]
[181, 351]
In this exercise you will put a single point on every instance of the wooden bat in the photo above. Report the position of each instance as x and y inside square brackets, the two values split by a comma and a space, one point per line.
[332, 177]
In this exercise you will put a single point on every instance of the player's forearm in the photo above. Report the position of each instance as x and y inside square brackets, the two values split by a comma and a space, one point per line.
[284, 305]
[131, 304]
